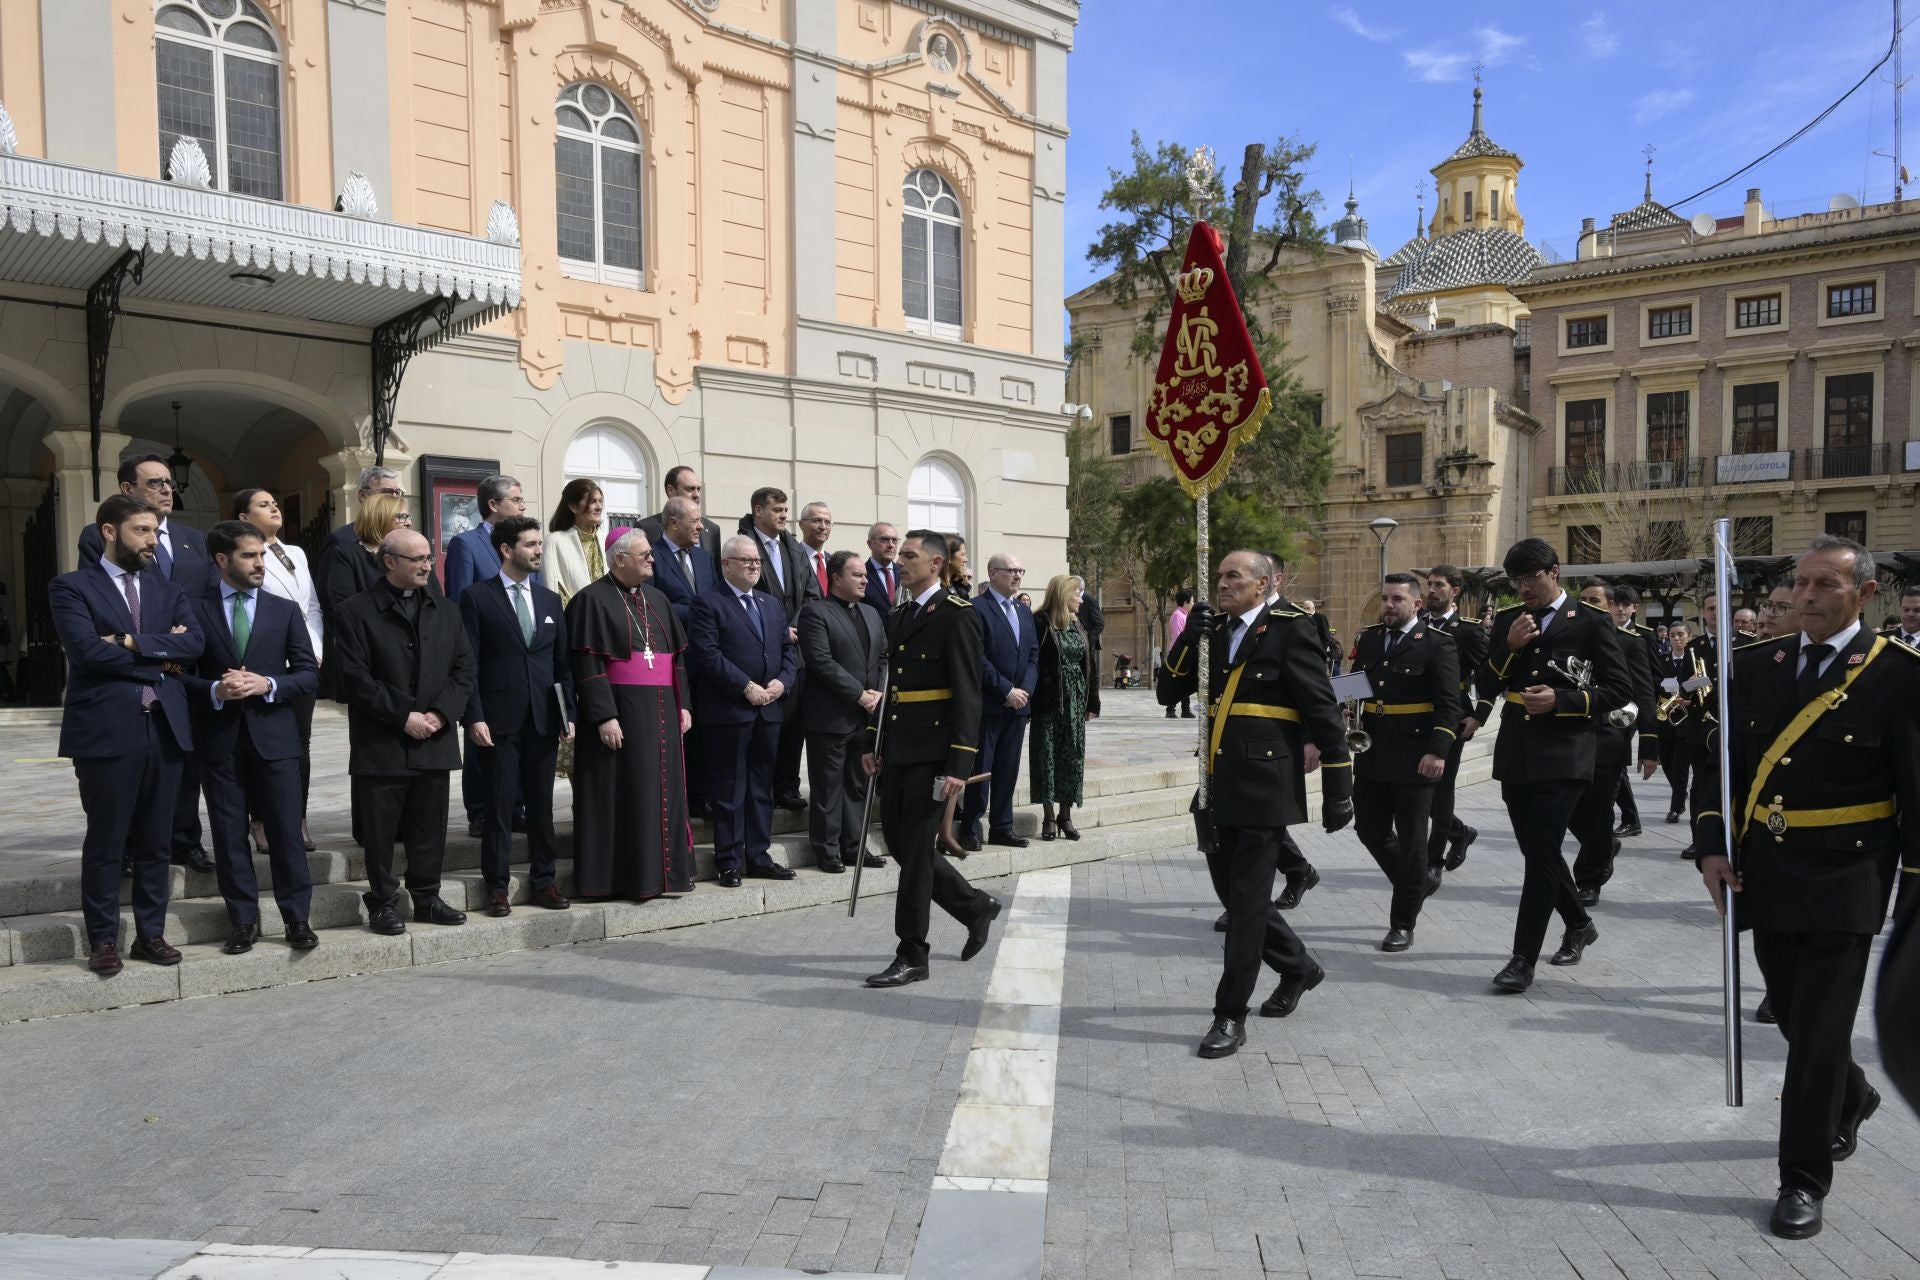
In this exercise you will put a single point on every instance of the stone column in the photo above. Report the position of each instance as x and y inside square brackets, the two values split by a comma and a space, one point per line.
[343, 470]
[73, 474]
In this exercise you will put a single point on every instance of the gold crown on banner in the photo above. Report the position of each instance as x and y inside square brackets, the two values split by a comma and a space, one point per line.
[1195, 283]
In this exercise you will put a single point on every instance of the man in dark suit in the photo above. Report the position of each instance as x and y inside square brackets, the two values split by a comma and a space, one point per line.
[1825, 783]
[179, 557]
[784, 576]
[257, 663]
[1624, 601]
[1276, 722]
[743, 662]
[1613, 755]
[684, 482]
[470, 557]
[1009, 670]
[683, 569]
[1449, 837]
[343, 538]
[927, 733]
[1412, 718]
[883, 571]
[844, 644]
[522, 706]
[1543, 757]
[407, 670]
[125, 725]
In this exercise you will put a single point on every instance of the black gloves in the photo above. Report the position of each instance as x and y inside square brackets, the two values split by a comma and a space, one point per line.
[1199, 617]
[1336, 812]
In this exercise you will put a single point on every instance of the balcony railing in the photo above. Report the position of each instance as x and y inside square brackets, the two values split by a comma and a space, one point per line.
[1623, 477]
[1847, 461]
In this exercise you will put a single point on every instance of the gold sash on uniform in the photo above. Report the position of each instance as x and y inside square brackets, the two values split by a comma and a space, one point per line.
[1797, 729]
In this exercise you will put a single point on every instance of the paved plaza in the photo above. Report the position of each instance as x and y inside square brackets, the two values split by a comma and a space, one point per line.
[728, 1095]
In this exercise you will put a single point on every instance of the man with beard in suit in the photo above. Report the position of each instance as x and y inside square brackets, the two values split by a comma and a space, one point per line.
[844, 645]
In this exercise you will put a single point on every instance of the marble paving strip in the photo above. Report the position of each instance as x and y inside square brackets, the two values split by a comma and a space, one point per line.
[986, 1215]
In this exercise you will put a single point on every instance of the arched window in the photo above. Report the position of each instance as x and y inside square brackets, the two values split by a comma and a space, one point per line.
[596, 158]
[218, 67]
[936, 498]
[930, 254]
[612, 459]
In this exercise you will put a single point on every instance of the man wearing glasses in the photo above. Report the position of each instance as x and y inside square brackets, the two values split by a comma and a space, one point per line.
[1009, 670]
[883, 569]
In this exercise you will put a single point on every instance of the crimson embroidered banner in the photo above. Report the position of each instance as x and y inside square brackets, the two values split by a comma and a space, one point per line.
[1210, 394]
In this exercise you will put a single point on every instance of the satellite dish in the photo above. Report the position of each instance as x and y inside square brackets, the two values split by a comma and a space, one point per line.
[1841, 203]
[1705, 224]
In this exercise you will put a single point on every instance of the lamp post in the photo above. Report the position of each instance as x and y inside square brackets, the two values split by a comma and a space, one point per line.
[179, 464]
[1383, 527]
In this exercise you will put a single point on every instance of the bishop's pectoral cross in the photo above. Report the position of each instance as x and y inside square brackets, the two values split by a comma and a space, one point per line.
[647, 653]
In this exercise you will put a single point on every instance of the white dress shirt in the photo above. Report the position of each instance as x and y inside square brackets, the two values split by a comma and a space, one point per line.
[1839, 641]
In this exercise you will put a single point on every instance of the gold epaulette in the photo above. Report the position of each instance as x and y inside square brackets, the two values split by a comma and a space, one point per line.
[1903, 646]
[1278, 612]
[1755, 644]
[1598, 609]
[954, 597]
[1373, 626]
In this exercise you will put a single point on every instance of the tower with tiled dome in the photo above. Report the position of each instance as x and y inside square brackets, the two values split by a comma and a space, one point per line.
[1463, 264]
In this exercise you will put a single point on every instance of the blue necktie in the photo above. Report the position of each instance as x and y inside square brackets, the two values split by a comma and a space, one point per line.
[753, 616]
[164, 558]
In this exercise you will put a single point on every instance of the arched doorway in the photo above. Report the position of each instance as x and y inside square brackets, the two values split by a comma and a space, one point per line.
[613, 458]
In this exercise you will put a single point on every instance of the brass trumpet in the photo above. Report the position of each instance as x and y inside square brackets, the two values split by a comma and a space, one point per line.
[1358, 740]
[948, 840]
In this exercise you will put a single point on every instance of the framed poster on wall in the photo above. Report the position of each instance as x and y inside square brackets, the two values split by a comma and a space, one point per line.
[449, 504]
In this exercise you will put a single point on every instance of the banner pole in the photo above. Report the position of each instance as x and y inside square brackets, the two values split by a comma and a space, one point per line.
[1729, 925]
[1202, 665]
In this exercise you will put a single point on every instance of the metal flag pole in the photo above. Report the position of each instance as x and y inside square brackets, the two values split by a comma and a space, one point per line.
[1729, 926]
[1200, 171]
[873, 783]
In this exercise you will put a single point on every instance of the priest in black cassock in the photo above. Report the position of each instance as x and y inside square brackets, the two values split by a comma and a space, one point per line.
[631, 834]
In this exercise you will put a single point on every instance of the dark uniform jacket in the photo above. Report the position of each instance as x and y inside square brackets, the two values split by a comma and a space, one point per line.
[1471, 639]
[1613, 749]
[1558, 746]
[1836, 816]
[1415, 708]
[932, 709]
[1647, 696]
[390, 665]
[1272, 700]
[1703, 707]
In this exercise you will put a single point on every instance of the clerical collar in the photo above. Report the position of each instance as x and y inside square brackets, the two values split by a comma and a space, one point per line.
[1839, 640]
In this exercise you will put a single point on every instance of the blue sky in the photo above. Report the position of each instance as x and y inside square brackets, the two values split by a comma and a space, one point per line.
[1577, 91]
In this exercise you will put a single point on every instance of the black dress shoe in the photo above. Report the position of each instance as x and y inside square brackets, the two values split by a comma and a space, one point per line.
[1847, 1141]
[898, 974]
[194, 859]
[970, 842]
[300, 936]
[1223, 1038]
[1673, 816]
[241, 940]
[790, 800]
[1690, 853]
[154, 950]
[977, 931]
[475, 827]
[1796, 1215]
[549, 898]
[1296, 889]
[1220, 925]
[1457, 851]
[497, 904]
[768, 871]
[433, 909]
[1588, 894]
[1286, 997]
[1516, 977]
[1431, 885]
[1765, 1012]
[1007, 840]
[1628, 829]
[104, 959]
[1186, 713]
[386, 920]
[1574, 943]
[874, 860]
[518, 823]
[831, 864]
[730, 878]
[1397, 940]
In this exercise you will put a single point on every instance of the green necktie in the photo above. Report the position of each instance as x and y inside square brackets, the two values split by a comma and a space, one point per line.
[242, 628]
[526, 614]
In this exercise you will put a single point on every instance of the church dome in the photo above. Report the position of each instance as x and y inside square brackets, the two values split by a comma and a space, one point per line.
[1464, 260]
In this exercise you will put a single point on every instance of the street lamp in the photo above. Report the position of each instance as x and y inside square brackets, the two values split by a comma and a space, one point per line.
[1383, 527]
[180, 465]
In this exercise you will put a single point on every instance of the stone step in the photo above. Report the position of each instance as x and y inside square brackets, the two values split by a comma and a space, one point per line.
[38, 990]
[201, 917]
[341, 860]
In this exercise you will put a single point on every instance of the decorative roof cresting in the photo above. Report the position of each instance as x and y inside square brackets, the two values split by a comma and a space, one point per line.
[356, 197]
[187, 163]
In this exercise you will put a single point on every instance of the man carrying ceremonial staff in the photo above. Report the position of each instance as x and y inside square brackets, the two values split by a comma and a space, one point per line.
[631, 836]
[1825, 771]
[1592, 822]
[1447, 845]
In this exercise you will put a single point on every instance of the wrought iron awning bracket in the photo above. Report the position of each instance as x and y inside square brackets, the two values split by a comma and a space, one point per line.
[395, 343]
[103, 308]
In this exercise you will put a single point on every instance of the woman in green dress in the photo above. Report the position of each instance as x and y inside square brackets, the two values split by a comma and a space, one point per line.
[1066, 697]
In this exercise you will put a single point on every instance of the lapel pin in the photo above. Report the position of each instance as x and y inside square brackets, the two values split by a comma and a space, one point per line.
[1781, 656]
[1856, 659]
[1419, 635]
[1569, 613]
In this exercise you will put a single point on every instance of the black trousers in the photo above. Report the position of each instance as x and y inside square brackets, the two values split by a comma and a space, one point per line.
[909, 818]
[786, 765]
[1815, 980]
[410, 808]
[242, 784]
[303, 717]
[1676, 761]
[1540, 812]
[1291, 863]
[473, 782]
[836, 792]
[128, 801]
[1623, 798]
[186, 807]
[1242, 864]
[1445, 827]
[1391, 821]
[1003, 736]
[518, 766]
[740, 787]
[1592, 826]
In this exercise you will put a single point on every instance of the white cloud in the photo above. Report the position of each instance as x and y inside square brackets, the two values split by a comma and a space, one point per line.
[1347, 18]
[1495, 45]
[1661, 102]
[1598, 37]
[1436, 66]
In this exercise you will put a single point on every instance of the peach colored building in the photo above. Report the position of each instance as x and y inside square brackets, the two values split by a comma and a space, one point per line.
[814, 244]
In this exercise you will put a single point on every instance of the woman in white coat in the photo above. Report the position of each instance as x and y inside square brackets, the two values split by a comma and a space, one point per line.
[289, 578]
[575, 555]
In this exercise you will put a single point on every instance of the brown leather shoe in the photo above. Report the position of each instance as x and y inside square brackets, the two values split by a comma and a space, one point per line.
[154, 950]
[549, 898]
[105, 960]
[497, 903]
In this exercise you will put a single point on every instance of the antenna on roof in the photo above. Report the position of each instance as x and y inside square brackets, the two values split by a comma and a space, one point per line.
[1648, 151]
